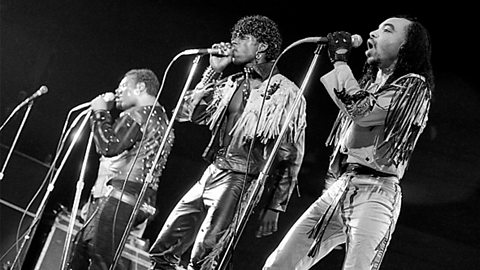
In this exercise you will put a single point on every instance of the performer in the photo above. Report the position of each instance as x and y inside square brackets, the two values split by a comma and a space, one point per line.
[128, 147]
[381, 118]
[238, 149]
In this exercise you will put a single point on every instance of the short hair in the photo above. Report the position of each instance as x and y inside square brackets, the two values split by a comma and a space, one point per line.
[263, 29]
[414, 55]
[148, 77]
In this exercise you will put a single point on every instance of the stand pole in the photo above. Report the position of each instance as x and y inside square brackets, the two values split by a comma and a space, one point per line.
[50, 188]
[2, 174]
[76, 203]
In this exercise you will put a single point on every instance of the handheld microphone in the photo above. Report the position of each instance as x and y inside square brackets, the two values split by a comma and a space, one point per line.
[215, 52]
[107, 97]
[356, 40]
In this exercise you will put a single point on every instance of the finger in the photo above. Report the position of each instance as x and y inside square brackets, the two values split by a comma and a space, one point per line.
[259, 232]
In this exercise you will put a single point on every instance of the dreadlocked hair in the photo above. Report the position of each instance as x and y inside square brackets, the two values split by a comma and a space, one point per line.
[413, 56]
[263, 29]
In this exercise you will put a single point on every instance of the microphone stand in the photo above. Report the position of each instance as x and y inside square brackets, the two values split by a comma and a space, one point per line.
[50, 187]
[19, 106]
[76, 201]
[258, 184]
[16, 136]
[149, 177]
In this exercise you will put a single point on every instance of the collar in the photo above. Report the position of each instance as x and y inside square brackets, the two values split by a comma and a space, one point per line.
[382, 78]
[263, 70]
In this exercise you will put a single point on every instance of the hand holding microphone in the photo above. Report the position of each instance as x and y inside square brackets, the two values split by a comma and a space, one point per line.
[103, 102]
[107, 97]
[340, 44]
[222, 57]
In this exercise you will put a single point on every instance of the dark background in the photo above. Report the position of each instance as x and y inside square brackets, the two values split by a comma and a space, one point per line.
[80, 49]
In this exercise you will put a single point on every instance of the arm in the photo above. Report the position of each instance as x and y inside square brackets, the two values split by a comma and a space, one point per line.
[194, 106]
[112, 139]
[290, 157]
[285, 178]
[364, 108]
[196, 101]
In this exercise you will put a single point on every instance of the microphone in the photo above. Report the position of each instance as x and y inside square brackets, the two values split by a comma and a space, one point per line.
[215, 52]
[356, 40]
[42, 90]
[107, 97]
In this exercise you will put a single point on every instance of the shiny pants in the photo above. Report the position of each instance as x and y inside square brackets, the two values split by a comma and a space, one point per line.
[96, 243]
[364, 219]
[199, 218]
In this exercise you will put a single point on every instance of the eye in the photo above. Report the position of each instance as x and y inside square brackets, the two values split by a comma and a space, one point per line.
[388, 29]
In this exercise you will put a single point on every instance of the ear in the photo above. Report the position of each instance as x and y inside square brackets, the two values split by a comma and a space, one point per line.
[262, 47]
[141, 86]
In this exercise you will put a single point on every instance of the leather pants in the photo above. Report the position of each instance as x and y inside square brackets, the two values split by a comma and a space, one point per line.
[199, 218]
[97, 242]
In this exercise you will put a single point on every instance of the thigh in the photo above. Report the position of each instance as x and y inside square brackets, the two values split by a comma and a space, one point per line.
[293, 251]
[221, 197]
[370, 214]
[182, 224]
[191, 205]
[113, 219]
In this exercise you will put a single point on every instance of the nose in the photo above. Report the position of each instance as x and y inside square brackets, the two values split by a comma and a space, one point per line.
[373, 34]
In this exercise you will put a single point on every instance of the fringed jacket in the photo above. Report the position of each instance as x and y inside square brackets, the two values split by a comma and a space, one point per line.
[377, 126]
[281, 94]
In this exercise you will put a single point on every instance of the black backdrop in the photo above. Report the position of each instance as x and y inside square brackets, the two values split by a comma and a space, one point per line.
[79, 49]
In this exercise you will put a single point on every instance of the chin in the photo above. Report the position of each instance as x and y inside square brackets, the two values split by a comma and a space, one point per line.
[372, 61]
[237, 61]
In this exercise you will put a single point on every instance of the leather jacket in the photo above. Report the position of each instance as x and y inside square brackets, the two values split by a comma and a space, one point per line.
[118, 142]
[212, 110]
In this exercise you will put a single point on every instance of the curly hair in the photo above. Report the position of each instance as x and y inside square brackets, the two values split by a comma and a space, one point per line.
[413, 57]
[148, 77]
[263, 29]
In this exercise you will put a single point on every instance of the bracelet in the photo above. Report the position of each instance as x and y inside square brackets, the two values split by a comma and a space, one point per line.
[208, 76]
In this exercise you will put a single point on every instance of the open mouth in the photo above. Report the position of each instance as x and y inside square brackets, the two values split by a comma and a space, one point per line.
[370, 43]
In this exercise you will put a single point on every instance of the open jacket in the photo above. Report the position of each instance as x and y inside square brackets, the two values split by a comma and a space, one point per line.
[378, 126]
[281, 94]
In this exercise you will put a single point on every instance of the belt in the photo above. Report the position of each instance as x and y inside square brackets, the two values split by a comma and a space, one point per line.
[132, 200]
[125, 197]
[364, 170]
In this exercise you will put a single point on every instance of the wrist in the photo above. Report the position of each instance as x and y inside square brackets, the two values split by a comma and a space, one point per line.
[209, 75]
[101, 114]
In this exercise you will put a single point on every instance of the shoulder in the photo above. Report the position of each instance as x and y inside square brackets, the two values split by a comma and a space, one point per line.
[281, 85]
[140, 114]
[409, 83]
[410, 78]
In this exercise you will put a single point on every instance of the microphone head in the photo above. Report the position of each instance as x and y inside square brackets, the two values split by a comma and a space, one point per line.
[109, 97]
[356, 41]
[43, 89]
